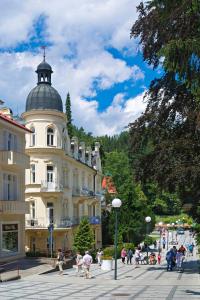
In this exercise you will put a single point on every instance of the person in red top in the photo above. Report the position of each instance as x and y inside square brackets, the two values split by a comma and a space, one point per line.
[123, 255]
[159, 258]
[182, 249]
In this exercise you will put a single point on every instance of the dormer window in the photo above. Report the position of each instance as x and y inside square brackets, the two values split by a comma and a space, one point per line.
[50, 137]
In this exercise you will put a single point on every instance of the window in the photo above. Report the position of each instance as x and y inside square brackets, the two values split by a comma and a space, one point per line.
[10, 238]
[10, 141]
[32, 173]
[9, 187]
[50, 212]
[32, 137]
[32, 208]
[50, 174]
[50, 137]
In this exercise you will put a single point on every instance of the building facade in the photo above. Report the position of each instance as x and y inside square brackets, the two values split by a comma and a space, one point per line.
[63, 183]
[13, 162]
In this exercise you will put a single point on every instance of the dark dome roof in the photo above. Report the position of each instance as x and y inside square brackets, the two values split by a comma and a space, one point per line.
[44, 66]
[44, 96]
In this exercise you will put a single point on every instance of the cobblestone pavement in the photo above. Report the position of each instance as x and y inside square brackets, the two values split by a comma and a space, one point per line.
[144, 282]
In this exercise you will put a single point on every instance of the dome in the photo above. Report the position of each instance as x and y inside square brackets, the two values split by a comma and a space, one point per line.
[44, 96]
[44, 66]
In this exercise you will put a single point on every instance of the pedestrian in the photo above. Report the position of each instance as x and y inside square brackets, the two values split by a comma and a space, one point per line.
[179, 259]
[191, 248]
[164, 242]
[182, 249]
[155, 244]
[79, 263]
[170, 259]
[137, 256]
[99, 256]
[129, 256]
[60, 261]
[123, 255]
[159, 258]
[87, 261]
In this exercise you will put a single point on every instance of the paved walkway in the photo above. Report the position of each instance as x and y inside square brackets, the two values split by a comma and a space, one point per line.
[145, 282]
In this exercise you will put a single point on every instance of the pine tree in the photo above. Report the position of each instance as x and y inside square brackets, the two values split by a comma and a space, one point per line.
[84, 238]
[69, 115]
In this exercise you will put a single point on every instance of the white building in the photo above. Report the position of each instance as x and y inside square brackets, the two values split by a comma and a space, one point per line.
[13, 162]
[63, 183]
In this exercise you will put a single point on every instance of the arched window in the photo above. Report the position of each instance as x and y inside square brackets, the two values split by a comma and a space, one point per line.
[50, 137]
[32, 136]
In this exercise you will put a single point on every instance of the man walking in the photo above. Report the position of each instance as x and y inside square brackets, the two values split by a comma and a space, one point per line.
[87, 261]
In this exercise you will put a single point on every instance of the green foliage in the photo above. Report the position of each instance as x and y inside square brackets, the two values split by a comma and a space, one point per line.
[135, 206]
[165, 139]
[171, 30]
[84, 238]
[149, 240]
[172, 219]
[69, 115]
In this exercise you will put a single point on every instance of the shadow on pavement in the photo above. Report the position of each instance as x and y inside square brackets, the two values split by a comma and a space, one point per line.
[192, 292]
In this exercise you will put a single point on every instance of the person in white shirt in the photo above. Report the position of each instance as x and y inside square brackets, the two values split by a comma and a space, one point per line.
[87, 261]
[99, 256]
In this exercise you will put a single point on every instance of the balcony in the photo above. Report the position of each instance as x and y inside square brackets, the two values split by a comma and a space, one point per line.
[36, 223]
[84, 192]
[14, 158]
[14, 207]
[54, 186]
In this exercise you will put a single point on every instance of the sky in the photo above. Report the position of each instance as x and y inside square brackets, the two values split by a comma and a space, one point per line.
[92, 56]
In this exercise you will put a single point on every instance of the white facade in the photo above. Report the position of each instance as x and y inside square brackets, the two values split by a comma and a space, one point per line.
[63, 182]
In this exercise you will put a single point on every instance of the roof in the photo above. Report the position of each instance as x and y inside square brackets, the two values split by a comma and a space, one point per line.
[11, 121]
[44, 96]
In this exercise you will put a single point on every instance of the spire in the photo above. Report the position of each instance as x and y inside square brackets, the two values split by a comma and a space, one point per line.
[44, 70]
[44, 54]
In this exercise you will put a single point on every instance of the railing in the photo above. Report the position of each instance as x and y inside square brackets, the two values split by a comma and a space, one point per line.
[63, 223]
[14, 207]
[54, 186]
[37, 223]
[14, 158]
[84, 192]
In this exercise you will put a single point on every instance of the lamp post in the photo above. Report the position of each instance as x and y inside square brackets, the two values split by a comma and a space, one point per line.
[147, 220]
[173, 232]
[160, 225]
[168, 225]
[116, 203]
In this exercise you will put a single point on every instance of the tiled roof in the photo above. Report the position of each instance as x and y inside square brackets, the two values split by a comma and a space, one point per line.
[11, 121]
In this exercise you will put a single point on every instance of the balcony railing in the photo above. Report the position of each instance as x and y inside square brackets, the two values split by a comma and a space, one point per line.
[84, 192]
[14, 207]
[37, 223]
[54, 186]
[14, 158]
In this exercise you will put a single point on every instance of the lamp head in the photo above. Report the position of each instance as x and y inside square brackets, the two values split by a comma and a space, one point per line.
[148, 219]
[116, 203]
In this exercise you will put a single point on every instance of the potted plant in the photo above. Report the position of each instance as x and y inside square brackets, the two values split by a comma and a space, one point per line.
[107, 263]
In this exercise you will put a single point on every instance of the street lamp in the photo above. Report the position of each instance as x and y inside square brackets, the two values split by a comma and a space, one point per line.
[147, 220]
[160, 225]
[168, 225]
[173, 233]
[116, 203]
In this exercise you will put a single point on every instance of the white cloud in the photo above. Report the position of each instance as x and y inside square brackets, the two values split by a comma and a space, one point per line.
[80, 33]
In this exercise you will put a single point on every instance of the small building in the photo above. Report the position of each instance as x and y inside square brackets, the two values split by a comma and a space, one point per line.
[63, 183]
[13, 162]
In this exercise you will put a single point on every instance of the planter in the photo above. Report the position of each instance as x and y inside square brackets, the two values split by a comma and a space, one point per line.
[107, 264]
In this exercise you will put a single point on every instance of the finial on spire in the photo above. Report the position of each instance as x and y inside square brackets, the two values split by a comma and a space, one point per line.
[44, 54]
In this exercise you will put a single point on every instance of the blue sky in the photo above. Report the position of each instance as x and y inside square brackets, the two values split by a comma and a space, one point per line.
[89, 48]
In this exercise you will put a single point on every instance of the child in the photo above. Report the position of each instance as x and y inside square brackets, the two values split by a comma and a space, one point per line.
[159, 258]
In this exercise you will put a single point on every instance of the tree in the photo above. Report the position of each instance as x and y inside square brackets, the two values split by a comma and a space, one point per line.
[171, 30]
[135, 206]
[69, 115]
[84, 237]
[165, 139]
